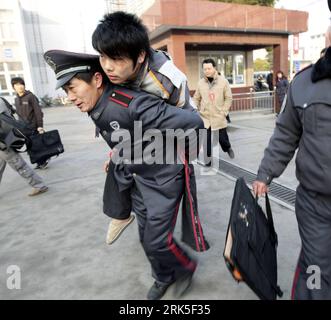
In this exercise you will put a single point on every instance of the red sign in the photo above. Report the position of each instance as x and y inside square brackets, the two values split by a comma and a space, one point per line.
[295, 43]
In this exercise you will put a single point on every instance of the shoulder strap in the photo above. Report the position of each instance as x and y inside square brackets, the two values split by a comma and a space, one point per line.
[8, 105]
[257, 255]
[269, 214]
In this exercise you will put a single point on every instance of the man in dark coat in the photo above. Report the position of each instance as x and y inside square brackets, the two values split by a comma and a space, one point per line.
[305, 124]
[156, 189]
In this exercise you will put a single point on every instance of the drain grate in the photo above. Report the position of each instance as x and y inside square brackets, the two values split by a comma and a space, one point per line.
[276, 190]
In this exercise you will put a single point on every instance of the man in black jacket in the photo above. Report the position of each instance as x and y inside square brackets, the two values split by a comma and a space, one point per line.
[29, 110]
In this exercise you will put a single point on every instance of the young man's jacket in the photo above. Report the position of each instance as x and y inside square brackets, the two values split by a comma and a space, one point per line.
[304, 123]
[28, 109]
[213, 101]
[160, 76]
[119, 107]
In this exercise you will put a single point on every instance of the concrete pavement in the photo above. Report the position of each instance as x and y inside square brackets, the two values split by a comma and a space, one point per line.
[57, 239]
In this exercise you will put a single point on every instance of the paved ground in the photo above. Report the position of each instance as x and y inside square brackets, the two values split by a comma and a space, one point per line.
[58, 238]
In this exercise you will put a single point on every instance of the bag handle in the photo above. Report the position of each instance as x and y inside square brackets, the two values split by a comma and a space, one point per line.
[271, 225]
[269, 213]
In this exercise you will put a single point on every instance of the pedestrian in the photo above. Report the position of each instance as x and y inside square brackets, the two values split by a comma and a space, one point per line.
[270, 80]
[213, 98]
[259, 85]
[155, 189]
[29, 110]
[281, 89]
[128, 59]
[304, 123]
[15, 160]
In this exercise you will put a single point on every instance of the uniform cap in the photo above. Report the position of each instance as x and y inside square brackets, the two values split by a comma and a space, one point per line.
[66, 64]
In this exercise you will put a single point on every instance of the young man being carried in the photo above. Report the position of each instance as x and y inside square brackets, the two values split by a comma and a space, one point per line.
[128, 60]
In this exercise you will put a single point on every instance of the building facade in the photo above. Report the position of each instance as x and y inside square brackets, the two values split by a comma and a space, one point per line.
[227, 32]
[13, 56]
[28, 28]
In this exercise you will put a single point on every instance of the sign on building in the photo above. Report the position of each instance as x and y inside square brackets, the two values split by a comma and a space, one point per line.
[8, 53]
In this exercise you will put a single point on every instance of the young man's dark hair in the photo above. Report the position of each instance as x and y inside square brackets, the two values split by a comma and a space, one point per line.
[121, 35]
[209, 60]
[17, 80]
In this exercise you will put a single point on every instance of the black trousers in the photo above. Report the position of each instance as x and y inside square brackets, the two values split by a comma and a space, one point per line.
[156, 209]
[223, 140]
[312, 278]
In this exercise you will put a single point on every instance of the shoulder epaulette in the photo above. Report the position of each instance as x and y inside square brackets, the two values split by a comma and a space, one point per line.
[120, 98]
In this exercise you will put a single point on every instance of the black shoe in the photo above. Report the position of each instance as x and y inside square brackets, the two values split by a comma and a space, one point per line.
[157, 291]
[42, 165]
[183, 283]
[231, 153]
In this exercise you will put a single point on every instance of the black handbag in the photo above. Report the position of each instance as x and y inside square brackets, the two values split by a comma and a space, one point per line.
[44, 146]
[250, 251]
[17, 134]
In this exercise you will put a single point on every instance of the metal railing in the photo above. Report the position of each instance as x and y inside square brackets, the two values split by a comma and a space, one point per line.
[254, 101]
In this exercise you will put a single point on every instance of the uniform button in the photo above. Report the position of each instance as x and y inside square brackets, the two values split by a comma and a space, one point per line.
[113, 95]
[104, 133]
[134, 174]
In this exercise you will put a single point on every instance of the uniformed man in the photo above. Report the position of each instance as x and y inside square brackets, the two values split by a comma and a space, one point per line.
[127, 59]
[155, 189]
[305, 124]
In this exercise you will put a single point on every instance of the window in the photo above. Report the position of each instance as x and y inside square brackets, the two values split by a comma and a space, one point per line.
[7, 30]
[3, 85]
[15, 66]
[12, 30]
[230, 64]
[239, 69]
[2, 30]
[6, 14]
[14, 75]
